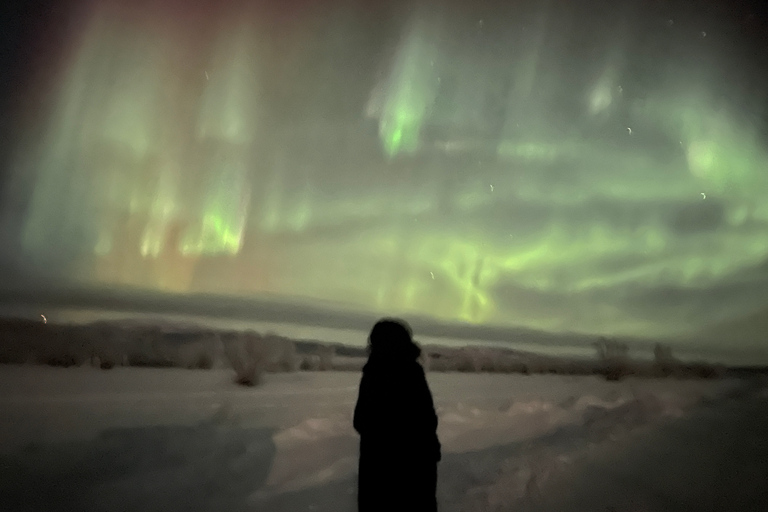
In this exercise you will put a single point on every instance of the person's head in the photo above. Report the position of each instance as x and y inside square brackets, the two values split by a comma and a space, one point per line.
[392, 338]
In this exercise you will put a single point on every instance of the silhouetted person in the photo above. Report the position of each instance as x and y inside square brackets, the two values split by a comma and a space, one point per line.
[395, 417]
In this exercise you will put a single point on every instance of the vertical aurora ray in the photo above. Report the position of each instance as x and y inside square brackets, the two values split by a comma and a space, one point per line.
[100, 134]
[410, 91]
[163, 210]
[223, 222]
[498, 174]
[225, 133]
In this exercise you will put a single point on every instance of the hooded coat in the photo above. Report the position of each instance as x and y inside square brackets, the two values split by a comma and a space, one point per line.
[395, 417]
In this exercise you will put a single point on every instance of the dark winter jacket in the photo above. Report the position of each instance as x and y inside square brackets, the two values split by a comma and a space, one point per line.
[395, 417]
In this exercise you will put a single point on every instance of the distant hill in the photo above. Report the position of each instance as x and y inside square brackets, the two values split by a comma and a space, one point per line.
[271, 309]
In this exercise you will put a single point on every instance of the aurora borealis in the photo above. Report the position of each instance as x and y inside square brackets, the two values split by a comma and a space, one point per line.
[598, 169]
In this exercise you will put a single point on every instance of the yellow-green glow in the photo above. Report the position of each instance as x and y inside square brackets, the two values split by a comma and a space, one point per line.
[402, 137]
[409, 92]
[215, 237]
[529, 151]
[476, 186]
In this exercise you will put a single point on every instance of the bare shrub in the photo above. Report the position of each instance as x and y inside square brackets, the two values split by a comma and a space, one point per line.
[467, 360]
[613, 371]
[247, 353]
[662, 354]
[106, 364]
[664, 364]
[326, 354]
[207, 352]
[282, 355]
[288, 360]
[191, 352]
[310, 363]
[613, 358]
[609, 349]
[203, 360]
[105, 352]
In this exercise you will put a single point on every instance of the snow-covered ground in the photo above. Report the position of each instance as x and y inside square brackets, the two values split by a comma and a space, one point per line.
[172, 439]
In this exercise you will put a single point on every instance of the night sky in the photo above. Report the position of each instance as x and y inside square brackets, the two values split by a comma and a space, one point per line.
[590, 167]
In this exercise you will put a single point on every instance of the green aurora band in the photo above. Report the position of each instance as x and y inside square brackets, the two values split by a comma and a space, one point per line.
[150, 158]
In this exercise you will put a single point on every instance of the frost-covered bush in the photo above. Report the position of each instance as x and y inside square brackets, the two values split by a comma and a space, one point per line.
[467, 360]
[609, 349]
[282, 356]
[664, 364]
[613, 356]
[309, 363]
[247, 353]
[325, 354]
